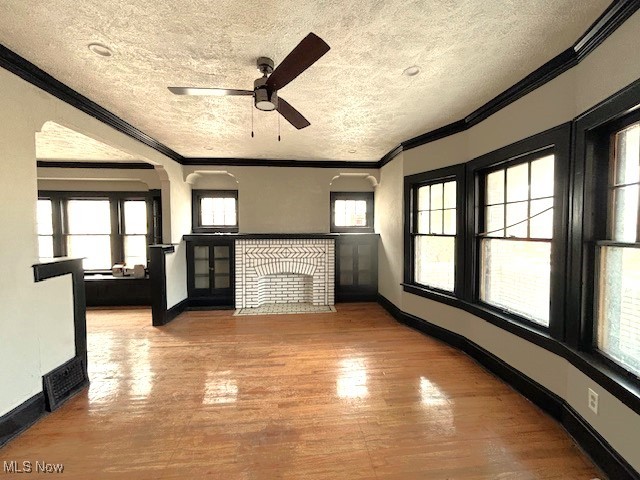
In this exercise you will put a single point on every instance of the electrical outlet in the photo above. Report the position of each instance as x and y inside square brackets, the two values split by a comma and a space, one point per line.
[593, 401]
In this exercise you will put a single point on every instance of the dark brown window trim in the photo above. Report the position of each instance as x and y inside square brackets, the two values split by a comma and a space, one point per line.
[116, 199]
[411, 184]
[574, 341]
[196, 225]
[366, 196]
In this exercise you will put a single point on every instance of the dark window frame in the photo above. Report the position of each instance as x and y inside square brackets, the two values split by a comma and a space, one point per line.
[557, 141]
[366, 196]
[592, 164]
[412, 183]
[196, 224]
[574, 343]
[467, 292]
[59, 200]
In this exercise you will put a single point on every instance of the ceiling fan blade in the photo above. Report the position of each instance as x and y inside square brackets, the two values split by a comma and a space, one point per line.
[308, 51]
[291, 115]
[218, 92]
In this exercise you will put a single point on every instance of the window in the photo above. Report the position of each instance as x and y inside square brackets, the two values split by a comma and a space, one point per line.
[351, 211]
[515, 246]
[433, 223]
[135, 232]
[215, 211]
[435, 235]
[103, 228]
[45, 229]
[618, 256]
[89, 232]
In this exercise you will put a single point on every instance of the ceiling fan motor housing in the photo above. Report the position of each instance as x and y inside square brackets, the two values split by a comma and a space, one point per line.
[264, 99]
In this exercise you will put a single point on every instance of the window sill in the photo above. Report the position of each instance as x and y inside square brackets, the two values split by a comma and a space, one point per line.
[612, 378]
[351, 229]
[215, 229]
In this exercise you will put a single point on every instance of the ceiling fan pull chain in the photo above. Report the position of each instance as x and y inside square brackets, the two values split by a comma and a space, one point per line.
[251, 121]
[278, 127]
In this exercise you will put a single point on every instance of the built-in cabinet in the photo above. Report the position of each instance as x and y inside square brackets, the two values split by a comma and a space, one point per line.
[356, 267]
[210, 272]
[211, 268]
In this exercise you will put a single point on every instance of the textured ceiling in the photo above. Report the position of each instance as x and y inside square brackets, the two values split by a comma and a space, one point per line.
[356, 98]
[55, 142]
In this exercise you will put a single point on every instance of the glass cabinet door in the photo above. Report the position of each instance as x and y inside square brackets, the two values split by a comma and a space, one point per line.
[210, 271]
[201, 267]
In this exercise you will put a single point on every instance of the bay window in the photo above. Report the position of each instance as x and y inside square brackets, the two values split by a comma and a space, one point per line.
[515, 247]
[434, 222]
[104, 228]
[618, 255]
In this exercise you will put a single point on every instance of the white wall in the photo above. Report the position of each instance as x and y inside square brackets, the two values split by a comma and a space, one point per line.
[36, 320]
[611, 67]
[282, 199]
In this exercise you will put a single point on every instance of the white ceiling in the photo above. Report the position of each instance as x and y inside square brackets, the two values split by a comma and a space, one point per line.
[55, 142]
[355, 97]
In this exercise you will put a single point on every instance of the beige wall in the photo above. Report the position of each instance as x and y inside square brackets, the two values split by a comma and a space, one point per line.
[282, 199]
[611, 67]
[36, 320]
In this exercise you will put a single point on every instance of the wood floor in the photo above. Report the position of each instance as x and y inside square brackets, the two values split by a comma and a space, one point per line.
[346, 395]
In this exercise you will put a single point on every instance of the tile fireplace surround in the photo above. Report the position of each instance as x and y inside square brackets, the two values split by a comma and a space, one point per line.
[287, 270]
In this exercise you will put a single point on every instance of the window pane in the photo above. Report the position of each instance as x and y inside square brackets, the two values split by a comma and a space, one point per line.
[340, 214]
[518, 182]
[423, 222]
[89, 216]
[542, 225]
[516, 276]
[495, 221]
[435, 262]
[45, 246]
[44, 218]
[436, 196]
[450, 195]
[135, 217]
[542, 177]
[135, 250]
[95, 248]
[230, 211]
[360, 219]
[218, 211]
[495, 187]
[423, 197]
[619, 306]
[350, 212]
[450, 222]
[436, 221]
[628, 155]
[625, 215]
[517, 212]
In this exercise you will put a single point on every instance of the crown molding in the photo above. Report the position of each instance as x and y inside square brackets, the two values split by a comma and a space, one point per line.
[614, 16]
[29, 72]
[270, 162]
[115, 165]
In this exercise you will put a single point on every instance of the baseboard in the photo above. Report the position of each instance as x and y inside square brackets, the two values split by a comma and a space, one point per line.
[582, 432]
[22, 417]
[176, 310]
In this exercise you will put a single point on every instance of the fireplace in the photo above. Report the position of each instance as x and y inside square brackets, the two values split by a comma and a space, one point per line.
[287, 270]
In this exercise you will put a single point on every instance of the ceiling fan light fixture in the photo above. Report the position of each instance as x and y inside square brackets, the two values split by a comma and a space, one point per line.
[100, 49]
[411, 71]
[265, 106]
[265, 100]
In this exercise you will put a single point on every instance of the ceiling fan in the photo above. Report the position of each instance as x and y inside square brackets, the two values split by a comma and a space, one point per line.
[265, 88]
